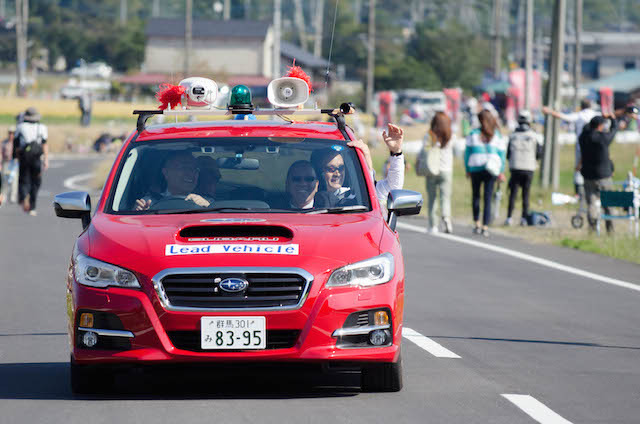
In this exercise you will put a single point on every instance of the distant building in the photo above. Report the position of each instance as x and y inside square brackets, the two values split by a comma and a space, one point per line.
[603, 53]
[233, 48]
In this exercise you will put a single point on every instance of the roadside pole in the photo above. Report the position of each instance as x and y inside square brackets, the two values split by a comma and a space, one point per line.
[528, 55]
[276, 37]
[371, 45]
[187, 38]
[577, 64]
[550, 170]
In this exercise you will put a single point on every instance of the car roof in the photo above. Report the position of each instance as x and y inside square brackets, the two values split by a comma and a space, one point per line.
[231, 128]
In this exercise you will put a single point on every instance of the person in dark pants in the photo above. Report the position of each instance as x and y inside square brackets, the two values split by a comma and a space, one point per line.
[32, 151]
[523, 151]
[484, 159]
[596, 166]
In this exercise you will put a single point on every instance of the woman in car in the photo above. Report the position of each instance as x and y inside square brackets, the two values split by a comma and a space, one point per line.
[329, 165]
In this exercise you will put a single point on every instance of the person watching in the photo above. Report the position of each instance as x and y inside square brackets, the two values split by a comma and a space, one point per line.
[301, 185]
[181, 174]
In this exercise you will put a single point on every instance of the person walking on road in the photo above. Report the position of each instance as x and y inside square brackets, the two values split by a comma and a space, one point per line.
[597, 167]
[84, 103]
[484, 159]
[31, 149]
[439, 181]
[523, 151]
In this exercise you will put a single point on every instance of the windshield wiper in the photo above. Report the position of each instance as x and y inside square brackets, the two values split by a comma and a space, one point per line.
[340, 209]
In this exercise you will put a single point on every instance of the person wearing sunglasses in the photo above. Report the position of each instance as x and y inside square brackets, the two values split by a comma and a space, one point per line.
[301, 185]
[329, 164]
[180, 172]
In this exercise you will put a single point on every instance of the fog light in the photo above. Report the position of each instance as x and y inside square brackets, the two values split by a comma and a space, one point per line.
[381, 318]
[90, 339]
[377, 337]
[86, 320]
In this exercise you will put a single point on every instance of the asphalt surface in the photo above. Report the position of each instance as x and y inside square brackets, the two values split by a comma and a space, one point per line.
[571, 343]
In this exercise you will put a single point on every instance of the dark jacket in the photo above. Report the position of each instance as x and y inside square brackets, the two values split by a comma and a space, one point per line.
[594, 146]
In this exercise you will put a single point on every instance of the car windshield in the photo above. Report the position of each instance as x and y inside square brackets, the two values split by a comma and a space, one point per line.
[285, 175]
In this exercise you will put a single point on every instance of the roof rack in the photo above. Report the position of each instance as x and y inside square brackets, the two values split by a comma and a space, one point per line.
[337, 114]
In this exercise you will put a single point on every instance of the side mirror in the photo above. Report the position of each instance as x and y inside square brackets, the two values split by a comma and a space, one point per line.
[73, 204]
[402, 202]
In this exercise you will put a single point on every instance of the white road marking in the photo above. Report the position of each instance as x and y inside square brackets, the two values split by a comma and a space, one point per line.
[427, 344]
[536, 409]
[72, 183]
[527, 257]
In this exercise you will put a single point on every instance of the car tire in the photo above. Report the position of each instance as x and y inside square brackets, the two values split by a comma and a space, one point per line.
[383, 377]
[89, 379]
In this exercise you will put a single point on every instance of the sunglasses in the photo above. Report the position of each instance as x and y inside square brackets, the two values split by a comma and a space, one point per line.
[299, 179]
[331, 169]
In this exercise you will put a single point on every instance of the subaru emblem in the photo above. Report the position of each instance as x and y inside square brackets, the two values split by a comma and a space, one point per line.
[233, 285]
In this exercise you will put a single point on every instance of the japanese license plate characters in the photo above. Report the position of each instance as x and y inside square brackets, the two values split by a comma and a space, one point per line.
[198, 249]
[237, 333]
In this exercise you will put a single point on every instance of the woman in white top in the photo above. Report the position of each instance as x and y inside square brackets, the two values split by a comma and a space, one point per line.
[440, 185]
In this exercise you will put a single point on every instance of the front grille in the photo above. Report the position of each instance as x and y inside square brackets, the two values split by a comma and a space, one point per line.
[190, 340]
[202, 290]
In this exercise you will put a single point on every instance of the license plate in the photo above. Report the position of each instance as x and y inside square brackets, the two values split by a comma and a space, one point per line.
[233, 333]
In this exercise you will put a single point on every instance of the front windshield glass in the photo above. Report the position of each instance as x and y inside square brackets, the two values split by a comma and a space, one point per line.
[288, 175]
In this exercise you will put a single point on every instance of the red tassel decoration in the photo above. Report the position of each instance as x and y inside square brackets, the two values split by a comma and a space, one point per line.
[297, 72]
[170, 96]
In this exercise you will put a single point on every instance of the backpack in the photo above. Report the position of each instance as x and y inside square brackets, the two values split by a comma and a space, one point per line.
[428, 161]
[32, 150]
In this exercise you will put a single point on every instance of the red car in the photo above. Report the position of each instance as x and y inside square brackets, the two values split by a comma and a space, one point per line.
[220, 242]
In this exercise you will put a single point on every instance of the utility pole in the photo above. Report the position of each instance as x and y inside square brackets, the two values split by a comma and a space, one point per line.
[277, 24]
[550, 174]
[3, 10]
[528, 54]
[298, 18]
[319, 23]
[123, 12]
[155, 9]
[22, 20]
[357, 11]
[188, 33]
[497, 40]
[371, 49]
[226, 13]
[577, 64]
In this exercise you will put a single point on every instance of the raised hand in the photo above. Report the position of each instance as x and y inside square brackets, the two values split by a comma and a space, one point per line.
[394, 138]
[359, 144]
[143, 205]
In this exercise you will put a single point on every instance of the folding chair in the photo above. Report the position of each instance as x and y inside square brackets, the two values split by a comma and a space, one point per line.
[628, 200]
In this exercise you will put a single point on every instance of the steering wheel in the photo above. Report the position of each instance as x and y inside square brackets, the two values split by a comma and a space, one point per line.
[173, 203]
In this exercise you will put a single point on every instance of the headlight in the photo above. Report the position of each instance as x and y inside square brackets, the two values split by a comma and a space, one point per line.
[95, 273]
[377, 270]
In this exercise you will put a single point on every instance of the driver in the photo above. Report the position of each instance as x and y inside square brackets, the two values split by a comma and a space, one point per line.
[180, 172]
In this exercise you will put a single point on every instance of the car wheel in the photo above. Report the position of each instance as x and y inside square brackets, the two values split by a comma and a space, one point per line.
[89, 379]
[383, 377]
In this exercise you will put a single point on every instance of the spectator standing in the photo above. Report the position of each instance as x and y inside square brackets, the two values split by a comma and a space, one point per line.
[597, 167]
[439, 184]
[523, 152]
[484, 159]
[85, 104]
[32, 151]
[579, 120]
[9, 177]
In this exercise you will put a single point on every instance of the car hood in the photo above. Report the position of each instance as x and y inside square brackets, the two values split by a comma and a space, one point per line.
[316, 243]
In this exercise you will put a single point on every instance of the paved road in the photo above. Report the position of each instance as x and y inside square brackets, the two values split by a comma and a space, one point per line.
[514, 327]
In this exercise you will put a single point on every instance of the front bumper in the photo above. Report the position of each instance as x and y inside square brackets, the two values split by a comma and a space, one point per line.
[160, 335]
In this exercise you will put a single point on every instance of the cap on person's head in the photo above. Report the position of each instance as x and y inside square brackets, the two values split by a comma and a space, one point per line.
[524, 117]
[31, 115]
[12, 129]
[596, 121]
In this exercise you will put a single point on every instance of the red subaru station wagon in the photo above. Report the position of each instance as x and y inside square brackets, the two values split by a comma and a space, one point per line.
[218, 242]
